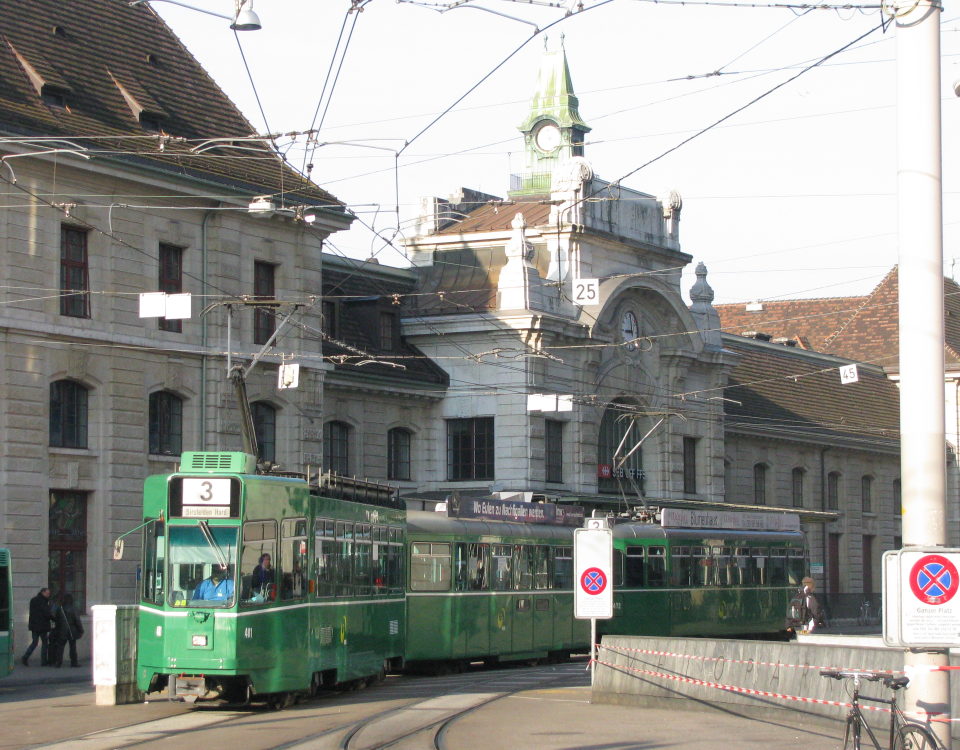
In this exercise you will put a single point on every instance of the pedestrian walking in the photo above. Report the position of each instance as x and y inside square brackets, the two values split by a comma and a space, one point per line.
[39, 625]
[67, 628]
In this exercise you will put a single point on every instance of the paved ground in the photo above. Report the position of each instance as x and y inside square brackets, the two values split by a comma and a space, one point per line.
[547, 719]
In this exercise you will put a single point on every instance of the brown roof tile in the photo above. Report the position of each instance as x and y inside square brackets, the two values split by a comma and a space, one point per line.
[76, 46]
[496, 217]
[792, 393]
[865, 329]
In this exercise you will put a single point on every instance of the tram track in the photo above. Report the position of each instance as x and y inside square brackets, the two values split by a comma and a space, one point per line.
[424, 724]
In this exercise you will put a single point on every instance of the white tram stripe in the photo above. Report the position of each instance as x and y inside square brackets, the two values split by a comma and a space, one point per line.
[185, 611]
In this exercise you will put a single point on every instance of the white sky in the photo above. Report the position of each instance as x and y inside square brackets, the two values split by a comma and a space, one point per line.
[793, 197]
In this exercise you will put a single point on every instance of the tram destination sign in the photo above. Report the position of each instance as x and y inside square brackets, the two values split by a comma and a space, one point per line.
[728, 519]
[510, 510]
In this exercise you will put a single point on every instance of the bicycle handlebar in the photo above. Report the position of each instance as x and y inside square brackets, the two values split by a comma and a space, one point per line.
[894, 683]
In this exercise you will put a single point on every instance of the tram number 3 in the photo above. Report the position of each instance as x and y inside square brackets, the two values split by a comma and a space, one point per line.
[586, 291]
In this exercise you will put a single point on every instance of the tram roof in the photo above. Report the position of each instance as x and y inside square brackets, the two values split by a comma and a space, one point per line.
[429, 522]
[617, 505]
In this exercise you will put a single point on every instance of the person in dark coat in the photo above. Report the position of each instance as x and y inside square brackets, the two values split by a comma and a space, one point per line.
[262, 574]
[39, 625]
[67, 628]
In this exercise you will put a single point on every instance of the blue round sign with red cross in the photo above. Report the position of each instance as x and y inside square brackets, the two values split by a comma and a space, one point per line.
[593, 581]
[934, 579]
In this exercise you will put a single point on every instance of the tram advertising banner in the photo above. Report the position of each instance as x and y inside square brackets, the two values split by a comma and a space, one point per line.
[921, 597]
[593, 574]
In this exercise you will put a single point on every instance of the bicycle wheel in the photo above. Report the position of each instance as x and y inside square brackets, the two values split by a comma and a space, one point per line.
[915, 737]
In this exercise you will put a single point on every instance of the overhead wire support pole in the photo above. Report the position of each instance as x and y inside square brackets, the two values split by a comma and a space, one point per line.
[921, 321]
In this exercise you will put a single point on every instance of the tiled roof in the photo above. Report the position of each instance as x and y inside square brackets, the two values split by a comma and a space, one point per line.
[362, 295]
[865, 329]
[109, 62]
[809, 322]
[783, 391]
[495, 217]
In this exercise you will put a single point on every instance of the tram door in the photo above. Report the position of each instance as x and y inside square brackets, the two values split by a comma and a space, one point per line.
[502, 601]
[523, 607]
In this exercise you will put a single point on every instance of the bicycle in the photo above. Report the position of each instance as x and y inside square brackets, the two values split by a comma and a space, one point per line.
[904, 733]
[868, 615]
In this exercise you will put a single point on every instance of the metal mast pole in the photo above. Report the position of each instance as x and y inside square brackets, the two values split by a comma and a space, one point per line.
[920, 237]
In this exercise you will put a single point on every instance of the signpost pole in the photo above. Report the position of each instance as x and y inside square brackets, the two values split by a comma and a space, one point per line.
[593, 650]
[921, 323]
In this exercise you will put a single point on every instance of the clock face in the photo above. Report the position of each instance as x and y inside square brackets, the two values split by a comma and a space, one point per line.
[547, 137]
[630, 330]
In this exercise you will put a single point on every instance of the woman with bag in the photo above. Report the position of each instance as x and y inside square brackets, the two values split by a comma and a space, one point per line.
[67, 628]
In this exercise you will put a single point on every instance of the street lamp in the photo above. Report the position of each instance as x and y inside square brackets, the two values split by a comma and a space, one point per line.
[244, 19]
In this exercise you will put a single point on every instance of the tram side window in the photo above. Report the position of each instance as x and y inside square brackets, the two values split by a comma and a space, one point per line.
[362, 556]
[501, 567]
[293, 558]
[633, 567]
[758, 565]
[682, 567]
[395, 561]
[778, 567]
[741, 561]
[541, 567]
[725, 566]
[563, 568]
[796, 566]
[259, 538]
[154, 558]
[380, 538]
[656, 566]
[471, 566]
[325, 557]
[522, 567]
[344, 575]
[430, 566]
[702, 566]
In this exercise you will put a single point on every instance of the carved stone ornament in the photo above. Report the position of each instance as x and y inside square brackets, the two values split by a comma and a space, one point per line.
[570, 175]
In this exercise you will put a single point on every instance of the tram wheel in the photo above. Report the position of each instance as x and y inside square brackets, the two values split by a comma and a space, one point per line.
[280, 701]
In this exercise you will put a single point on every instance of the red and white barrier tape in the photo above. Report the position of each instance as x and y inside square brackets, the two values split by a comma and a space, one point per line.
[651, 652]
[922, 716]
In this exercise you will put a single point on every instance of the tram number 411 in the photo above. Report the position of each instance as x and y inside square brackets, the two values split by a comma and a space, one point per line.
[586, 291]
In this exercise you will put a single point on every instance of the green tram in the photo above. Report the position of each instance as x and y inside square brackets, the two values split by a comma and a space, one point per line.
[489, 590]
[705, 573]
[6, 614]
[216, 622]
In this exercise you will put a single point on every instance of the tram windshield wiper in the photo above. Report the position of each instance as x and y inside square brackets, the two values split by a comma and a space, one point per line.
[221, 558]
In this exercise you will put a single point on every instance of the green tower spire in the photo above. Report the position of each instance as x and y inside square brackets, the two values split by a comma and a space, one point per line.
[553, 129]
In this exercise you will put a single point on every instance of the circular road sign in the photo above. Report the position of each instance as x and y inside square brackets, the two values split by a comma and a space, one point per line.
[593, 581]
[934, 579]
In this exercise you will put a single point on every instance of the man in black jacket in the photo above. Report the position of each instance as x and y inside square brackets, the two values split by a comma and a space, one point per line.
[39, 624]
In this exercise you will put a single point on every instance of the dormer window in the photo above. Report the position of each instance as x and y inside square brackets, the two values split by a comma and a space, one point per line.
[387, 331]
[53, 96]
[144, 107]
[150, 121]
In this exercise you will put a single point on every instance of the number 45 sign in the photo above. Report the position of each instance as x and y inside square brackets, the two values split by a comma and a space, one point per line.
[586, 291]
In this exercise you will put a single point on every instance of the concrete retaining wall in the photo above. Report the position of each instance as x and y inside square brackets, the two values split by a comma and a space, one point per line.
[638, 671]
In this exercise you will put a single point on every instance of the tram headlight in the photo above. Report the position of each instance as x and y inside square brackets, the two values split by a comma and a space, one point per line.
[199, 640]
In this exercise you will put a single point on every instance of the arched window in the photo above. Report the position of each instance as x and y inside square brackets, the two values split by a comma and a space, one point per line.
[265, 427]
[166, 423]
[866, 494]
[336, 447]
[398, 454]
[617, 419]
[68, 414]
[798, 477]
[833, 490]
[759, 484]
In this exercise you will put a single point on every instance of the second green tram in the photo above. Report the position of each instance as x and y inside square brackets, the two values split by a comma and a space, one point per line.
[216, 622]
[489, 590]
[706, 573]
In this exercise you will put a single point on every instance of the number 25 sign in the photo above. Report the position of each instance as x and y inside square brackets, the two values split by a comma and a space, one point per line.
[586, 291]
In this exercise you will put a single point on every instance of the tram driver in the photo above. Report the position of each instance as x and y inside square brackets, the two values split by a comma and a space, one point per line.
[218, 587]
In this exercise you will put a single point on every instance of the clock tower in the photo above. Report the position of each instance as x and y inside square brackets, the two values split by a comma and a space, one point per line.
[553, 131]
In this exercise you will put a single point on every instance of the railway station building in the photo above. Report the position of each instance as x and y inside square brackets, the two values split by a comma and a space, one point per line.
[539, 347]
